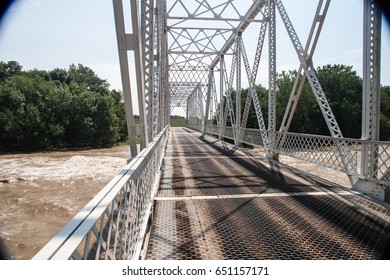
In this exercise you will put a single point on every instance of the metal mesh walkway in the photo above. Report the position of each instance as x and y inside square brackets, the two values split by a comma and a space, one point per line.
[215, 202]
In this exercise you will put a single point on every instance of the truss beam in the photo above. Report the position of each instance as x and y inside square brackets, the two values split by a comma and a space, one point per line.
[318, 21]
[148, 37]
[310, 73]
[139, 69]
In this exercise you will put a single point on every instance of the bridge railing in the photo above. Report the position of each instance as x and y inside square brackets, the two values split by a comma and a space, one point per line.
[113, 224]
[323, 151]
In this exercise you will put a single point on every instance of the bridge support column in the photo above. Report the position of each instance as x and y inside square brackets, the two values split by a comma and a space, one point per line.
[272, 81]
[123, 47]
[371, 102]
[238, 91]
[139, 69]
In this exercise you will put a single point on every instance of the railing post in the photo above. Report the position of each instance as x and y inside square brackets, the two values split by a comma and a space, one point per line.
[272, 80]
[202, 115]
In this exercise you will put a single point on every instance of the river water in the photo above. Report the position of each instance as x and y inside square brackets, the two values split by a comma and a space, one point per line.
[41, 192]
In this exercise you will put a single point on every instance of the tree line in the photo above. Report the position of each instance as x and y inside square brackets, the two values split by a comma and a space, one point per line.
[73, 107]
[343, 89]
[60, 108]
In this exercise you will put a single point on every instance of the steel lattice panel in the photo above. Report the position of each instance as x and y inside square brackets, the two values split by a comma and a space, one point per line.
[295, 227]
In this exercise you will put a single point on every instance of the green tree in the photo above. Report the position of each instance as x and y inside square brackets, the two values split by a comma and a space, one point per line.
[58, 108]
[343, 89]
[119, 107]
[60, 75]
[86, 77]
[385, 114]
[9, 69]
[106, 122]
[307, 117]
[21, 101]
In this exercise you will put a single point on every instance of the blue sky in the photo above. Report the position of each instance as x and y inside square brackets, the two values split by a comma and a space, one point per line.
[46, 34]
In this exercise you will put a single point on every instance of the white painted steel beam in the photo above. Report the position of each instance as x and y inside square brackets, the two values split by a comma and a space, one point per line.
[148, 38]
[139, 69]
[123, 47]
[272, 88]
[371, 81]
[221, 95]
[372, 153]
[238, 89]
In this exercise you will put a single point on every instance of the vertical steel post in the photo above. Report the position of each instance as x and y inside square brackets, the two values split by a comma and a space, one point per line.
[371, 102]
[371, 84]
[123, 47]
[147, 34]
[215, 100]
[166, 85]
[208, 101]
[162, 65]
[139, 69]
[272, 78]
[238, 89]
[203, 119]
[159, 37]
[221, 94]
[229, 91]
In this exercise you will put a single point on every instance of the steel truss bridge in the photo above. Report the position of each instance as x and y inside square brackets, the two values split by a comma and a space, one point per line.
[195, 193]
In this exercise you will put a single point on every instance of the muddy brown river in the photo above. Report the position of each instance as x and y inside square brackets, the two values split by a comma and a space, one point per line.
[41, 192]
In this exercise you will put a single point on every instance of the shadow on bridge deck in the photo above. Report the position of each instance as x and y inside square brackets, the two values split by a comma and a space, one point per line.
[217, 202]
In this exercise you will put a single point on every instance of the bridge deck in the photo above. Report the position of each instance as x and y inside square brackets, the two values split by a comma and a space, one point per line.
[215, 202]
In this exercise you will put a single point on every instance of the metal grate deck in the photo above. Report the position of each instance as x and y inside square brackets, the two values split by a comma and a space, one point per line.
[215, 204]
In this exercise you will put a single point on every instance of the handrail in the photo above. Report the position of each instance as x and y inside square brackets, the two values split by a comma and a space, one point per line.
[322, 150]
